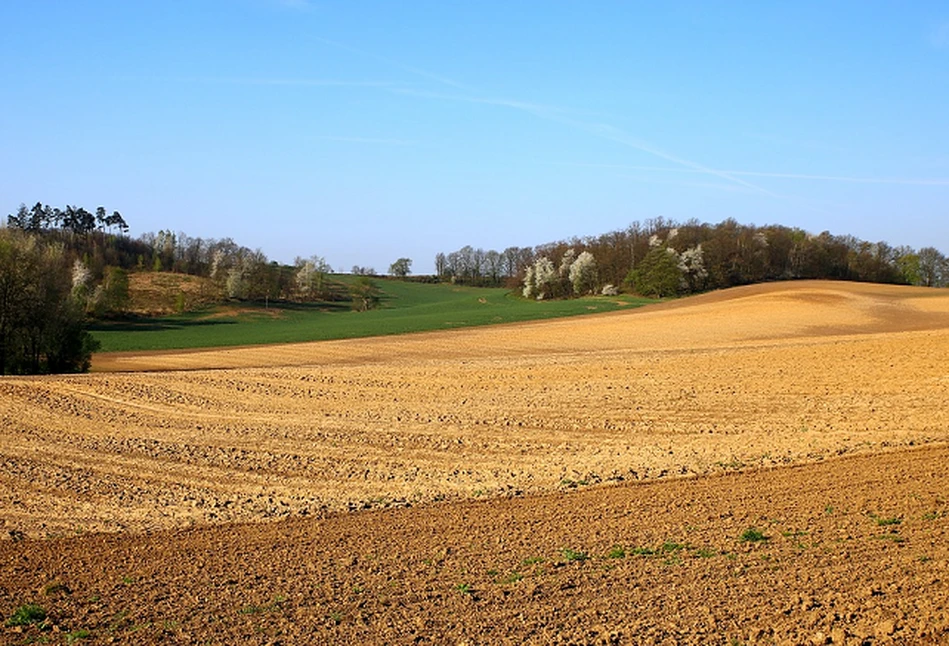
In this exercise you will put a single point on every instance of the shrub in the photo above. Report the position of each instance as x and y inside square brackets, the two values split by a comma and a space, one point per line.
[574, 555]
[752, 535]
[26, 615]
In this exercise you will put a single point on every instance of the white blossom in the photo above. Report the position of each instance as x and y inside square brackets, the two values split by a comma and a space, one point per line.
[530, 285]
[310, 275]
[218, 261]
[80, 275]
[583, 273]
[544, 276]
[692, 266]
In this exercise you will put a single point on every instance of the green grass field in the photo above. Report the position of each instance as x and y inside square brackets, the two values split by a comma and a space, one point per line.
[405, 307]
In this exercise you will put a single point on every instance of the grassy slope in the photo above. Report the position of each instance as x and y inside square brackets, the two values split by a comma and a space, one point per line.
[406, 307]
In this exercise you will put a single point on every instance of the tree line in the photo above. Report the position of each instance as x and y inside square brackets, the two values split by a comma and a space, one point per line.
[238, 271]
[482, 268]
[74, 219]
[100, 241]
[664, 258]
[59, 267]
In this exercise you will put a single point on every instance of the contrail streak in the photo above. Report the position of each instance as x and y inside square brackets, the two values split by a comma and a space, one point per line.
[393, 63]
[602, 131]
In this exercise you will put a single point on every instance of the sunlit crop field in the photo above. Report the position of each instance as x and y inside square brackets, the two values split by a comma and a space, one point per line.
[758, 376]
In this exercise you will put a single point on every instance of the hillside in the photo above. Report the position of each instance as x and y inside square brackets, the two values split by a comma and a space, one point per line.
[403, 307]
[158, 293]
[787, 311]
[476, 460]
[759, 376]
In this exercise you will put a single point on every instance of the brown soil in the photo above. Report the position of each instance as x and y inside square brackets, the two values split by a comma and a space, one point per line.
[510, 428]
[233, 312]
[665, 564]
[158, 293]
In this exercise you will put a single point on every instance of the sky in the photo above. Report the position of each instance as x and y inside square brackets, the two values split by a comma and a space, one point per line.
[366, 131]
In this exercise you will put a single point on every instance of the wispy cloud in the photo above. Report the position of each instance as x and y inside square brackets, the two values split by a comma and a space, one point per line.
[564, 116]
[417, 71]
[611, 133]
[803, 176]
[600, 130]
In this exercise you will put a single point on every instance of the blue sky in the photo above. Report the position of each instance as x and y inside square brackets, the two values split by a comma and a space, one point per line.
[366, 131]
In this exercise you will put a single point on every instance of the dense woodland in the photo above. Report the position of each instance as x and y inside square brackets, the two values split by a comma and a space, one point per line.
[665, 258]
[41, 322]
[100, 242]
[61, 267]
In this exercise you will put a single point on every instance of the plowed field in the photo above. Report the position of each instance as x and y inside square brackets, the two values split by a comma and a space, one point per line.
[497, 438]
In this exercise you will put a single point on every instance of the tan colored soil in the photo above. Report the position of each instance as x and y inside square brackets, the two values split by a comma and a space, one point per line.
[781, 313]
[759, 376]
[232, 312]
[528, 418]
[157, 293]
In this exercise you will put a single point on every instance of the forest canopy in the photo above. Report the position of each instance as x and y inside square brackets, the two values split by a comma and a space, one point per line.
[665, 258]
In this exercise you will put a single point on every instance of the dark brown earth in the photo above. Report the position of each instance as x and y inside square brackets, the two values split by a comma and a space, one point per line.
[855, 553]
